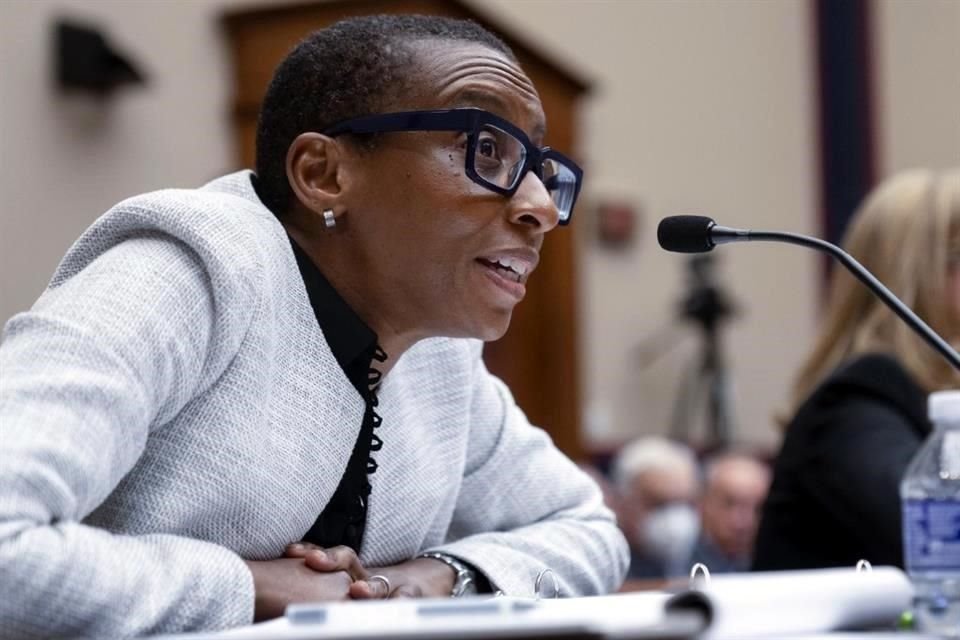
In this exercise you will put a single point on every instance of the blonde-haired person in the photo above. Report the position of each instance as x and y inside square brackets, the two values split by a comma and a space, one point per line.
[859, 399]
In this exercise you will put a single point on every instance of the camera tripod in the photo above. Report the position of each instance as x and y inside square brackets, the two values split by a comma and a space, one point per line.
[705, 384]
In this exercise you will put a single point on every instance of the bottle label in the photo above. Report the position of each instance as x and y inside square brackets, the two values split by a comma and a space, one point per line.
[931, 534]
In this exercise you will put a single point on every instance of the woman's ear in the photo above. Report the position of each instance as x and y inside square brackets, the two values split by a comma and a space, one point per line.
[313, 170]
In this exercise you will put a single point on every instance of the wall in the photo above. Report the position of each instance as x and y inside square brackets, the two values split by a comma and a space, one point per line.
[917, 52]
[66, 160]
[698, 107]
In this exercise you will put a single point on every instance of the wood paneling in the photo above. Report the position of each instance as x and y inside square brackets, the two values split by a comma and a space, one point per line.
[538, 357]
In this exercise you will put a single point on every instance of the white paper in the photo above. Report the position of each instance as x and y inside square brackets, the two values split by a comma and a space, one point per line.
[780, 604]
[513, 617]
[798, 602]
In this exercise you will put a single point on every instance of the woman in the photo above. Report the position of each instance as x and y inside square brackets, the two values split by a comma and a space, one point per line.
[214, 374]
[860, 398]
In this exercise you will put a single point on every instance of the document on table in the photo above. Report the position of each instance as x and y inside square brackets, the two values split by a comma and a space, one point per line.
[753, 605]
[801, 602]
[477, 617]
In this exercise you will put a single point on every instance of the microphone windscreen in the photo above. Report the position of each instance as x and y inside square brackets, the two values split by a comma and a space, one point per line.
[685, 234]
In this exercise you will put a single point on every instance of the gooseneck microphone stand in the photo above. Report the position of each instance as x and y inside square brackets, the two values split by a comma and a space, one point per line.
[698, 234]
[870, 281]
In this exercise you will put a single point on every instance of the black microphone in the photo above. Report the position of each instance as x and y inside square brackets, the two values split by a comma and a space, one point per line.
[698, 234]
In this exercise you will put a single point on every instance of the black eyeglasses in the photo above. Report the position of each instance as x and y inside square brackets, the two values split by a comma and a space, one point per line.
[498, 153]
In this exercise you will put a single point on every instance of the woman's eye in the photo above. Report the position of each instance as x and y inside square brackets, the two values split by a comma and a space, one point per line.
[487, 147]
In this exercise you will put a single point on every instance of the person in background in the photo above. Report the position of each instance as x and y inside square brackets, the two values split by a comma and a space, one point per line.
[294, 355]
[658, 484]
[734, 488]
[859, 401]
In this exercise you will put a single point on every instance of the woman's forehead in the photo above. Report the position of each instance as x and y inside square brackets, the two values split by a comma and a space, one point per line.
[465, 74]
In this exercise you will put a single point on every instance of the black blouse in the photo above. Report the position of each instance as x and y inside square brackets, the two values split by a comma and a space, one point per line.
[835, 497]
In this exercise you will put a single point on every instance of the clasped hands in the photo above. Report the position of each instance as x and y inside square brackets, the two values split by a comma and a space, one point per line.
[308, 573]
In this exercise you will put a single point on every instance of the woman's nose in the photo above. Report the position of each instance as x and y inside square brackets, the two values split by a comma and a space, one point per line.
[531, 204]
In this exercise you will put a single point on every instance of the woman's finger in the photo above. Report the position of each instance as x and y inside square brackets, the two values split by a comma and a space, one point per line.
[340, 558]
[299, 549]
[373, 588]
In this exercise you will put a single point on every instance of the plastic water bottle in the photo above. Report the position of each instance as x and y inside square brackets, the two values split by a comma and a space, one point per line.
[930, 493]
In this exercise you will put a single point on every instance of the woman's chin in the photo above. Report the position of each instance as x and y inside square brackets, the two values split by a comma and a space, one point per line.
[490, 328]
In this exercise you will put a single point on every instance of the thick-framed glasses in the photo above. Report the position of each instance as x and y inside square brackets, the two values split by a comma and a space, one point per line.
[498, 153]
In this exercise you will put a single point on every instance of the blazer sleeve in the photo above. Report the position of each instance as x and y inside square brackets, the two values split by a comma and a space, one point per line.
[856, 461]
[524, 507]
[100, 360]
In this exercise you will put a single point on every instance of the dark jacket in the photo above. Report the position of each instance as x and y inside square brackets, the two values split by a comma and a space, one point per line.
[835, 496]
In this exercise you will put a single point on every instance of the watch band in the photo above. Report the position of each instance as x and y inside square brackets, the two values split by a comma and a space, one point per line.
[465, 582]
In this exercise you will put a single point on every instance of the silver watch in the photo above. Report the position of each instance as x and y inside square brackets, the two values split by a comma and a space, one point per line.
[465, 582]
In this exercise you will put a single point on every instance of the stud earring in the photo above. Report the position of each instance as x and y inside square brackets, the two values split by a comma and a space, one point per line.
[328, 220]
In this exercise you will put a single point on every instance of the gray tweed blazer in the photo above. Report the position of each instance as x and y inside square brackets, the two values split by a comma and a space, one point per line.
[170, 406]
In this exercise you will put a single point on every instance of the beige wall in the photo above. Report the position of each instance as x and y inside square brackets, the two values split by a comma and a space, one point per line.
[918, 96]
[65, 161]
[698, 107]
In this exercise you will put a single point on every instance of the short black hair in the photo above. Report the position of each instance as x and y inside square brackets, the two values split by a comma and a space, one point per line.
[352, 68]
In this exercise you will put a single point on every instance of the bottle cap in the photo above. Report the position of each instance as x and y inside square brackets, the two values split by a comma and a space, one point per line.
[944, 406]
